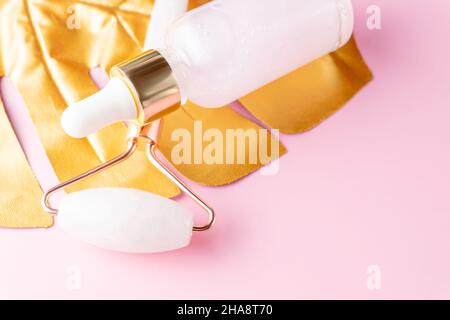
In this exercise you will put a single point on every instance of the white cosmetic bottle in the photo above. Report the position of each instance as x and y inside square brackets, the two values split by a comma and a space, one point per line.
[214, 55]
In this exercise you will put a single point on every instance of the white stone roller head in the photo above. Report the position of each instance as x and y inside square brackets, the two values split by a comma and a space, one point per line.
[126, 220]
[114, 103]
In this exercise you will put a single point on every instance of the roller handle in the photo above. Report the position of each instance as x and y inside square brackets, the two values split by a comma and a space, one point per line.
[112, 104]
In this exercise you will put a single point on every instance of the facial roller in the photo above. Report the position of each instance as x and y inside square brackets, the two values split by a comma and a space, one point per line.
[122, 219]
[128, 220]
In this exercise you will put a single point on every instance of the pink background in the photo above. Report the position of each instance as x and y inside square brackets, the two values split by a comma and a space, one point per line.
[370, 186]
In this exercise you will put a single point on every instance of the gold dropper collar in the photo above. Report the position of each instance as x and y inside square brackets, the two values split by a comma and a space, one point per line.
[152, 84]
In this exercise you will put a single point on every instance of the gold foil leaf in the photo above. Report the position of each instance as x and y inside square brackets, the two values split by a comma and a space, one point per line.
[48, 57]
[20, 194]
[216, 146]
[196, 3]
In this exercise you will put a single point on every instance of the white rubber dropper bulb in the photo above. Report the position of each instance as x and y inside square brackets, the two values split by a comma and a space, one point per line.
[112, 104]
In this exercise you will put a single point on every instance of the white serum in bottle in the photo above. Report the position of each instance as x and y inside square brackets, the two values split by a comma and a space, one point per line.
[216, 54]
